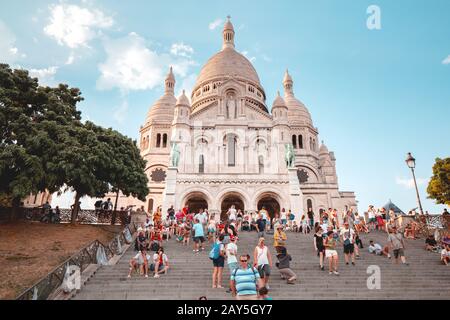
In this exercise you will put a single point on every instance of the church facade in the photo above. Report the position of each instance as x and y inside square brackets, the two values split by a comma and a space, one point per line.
[224, 147]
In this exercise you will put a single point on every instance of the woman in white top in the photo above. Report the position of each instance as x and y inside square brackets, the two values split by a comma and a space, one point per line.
[232, 213]
[140, 261]
[263, 261]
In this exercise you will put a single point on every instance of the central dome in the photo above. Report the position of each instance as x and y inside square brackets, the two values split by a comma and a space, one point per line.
[228, 62]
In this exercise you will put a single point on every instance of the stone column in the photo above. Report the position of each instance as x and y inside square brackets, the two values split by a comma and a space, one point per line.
[169, 192]
[295, 194]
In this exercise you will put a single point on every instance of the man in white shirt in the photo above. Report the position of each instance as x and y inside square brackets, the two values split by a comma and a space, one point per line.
[348, 236]
[378, 250]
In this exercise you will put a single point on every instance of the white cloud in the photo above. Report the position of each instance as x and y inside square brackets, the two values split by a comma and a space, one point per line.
[131, 65]
[70, 60]
[213, 25]
[182, 50]
[9, 53]
[409, 183]
[46, 76]
[446, 60]
[74, 26]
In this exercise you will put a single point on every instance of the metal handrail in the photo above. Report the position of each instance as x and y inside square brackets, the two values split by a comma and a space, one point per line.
[42, 289]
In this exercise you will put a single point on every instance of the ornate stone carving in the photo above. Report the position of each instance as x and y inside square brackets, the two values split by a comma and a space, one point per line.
[158, 175]
[302, 175]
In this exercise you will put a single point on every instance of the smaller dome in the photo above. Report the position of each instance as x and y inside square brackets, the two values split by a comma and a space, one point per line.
[297, 112]
[279, 102]
[228, 25]
[162, 110]
[323, 151]
[183, 100]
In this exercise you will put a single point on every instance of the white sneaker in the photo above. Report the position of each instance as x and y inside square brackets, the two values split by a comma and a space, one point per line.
[336, 273]
[156, 276]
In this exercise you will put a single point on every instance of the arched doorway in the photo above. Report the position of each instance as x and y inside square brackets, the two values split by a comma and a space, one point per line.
[228, 201]
[196, 202]
[271, 204]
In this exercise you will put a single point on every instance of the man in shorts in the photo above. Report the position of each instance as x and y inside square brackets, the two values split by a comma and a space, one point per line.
[348, 236]
[199, 236]
[397, 244]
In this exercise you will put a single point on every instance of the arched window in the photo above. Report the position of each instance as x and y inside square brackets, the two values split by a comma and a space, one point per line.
[294, 141]
[165, 140]
[231, 148]
[261, 164]
[300, 141]
[309, 204]
[158, 140]
[201, 164]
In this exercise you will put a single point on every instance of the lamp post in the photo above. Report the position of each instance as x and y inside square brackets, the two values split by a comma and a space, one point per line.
[411, 162]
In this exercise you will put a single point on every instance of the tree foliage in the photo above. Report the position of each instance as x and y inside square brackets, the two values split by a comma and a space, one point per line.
[439, 185]
[31, 120]
[45, 146]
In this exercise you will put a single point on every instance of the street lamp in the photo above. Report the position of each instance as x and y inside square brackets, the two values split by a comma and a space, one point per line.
[411, 162]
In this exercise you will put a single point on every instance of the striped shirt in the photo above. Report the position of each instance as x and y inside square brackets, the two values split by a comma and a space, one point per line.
[245, 281]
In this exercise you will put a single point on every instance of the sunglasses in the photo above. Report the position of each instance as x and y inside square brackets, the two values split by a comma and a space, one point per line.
[244, 260]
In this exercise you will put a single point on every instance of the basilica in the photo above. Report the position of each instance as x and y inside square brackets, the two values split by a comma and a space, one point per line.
[224, 146]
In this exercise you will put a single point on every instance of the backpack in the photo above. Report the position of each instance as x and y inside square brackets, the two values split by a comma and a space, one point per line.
[215, 251]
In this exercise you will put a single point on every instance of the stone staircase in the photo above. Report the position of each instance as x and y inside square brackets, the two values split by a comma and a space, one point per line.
[190, 275]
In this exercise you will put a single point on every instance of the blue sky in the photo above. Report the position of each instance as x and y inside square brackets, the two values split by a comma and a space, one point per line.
[374, 94]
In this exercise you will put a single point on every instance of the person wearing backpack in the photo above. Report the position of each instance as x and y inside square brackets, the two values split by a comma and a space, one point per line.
[217, 255]
[245, 280]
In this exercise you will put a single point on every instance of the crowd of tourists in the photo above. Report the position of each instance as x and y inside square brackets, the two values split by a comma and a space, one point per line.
[250, 271]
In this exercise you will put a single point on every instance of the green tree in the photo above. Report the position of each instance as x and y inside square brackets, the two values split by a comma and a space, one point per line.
[31, 120]
[439, 185]
[126, 168]
[82, 164]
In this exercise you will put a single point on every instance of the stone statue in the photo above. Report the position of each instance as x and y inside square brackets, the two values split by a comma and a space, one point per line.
[174, 155]
[289, 155]
[231, 108]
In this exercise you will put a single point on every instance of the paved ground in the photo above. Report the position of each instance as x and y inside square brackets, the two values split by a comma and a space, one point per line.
[190, 276]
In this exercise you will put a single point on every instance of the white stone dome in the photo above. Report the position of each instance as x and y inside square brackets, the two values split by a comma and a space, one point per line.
[323, 151]
[183, 100]
[298, 114]
[278, 102]
[162, 110]
[227, 62]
